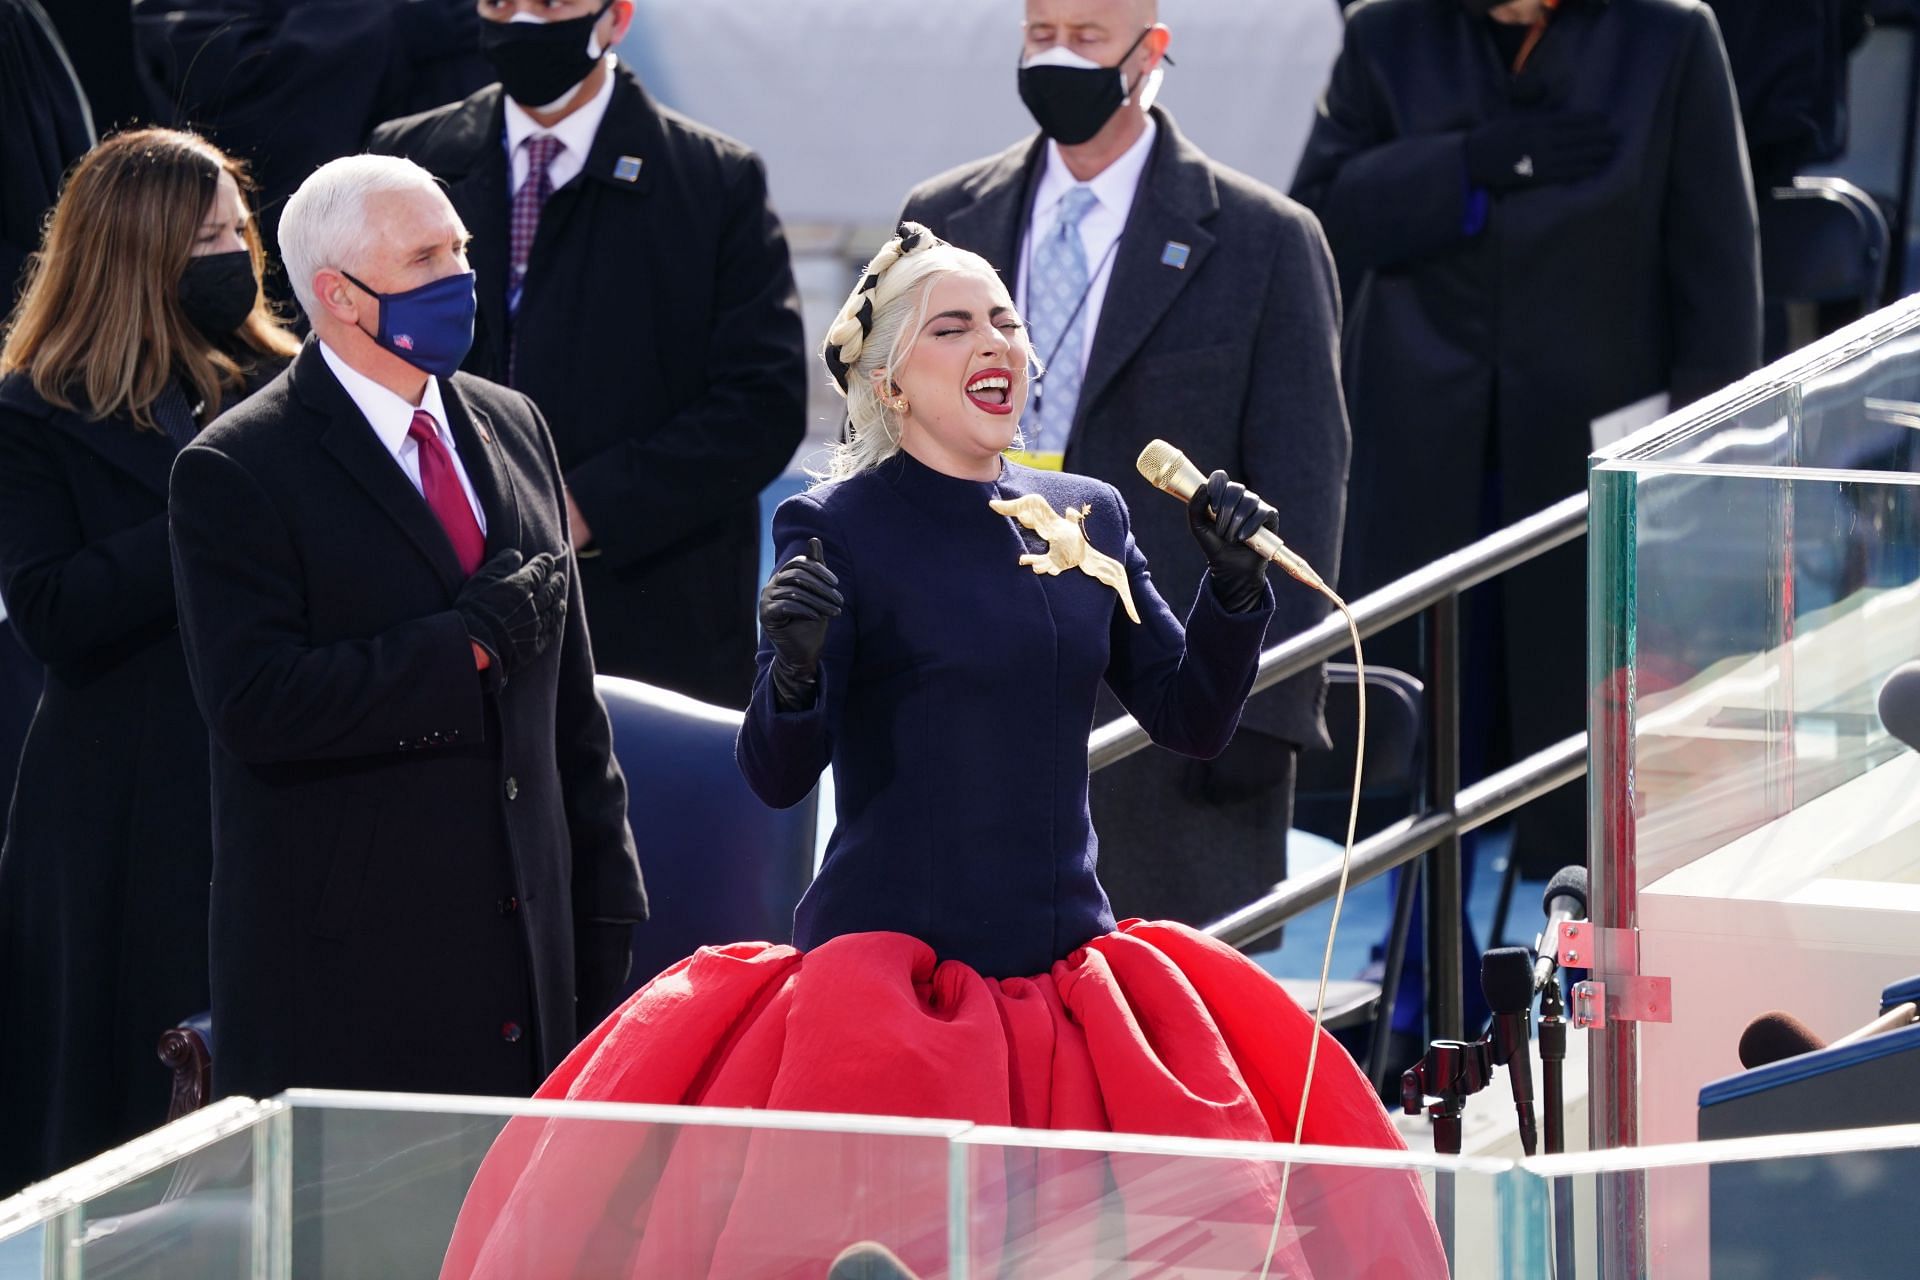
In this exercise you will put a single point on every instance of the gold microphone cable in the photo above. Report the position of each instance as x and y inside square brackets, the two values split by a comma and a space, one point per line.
[1168, 469]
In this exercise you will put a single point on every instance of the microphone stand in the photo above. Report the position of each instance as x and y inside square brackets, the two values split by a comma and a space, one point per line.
[1450, 1071]
[1553, 1059]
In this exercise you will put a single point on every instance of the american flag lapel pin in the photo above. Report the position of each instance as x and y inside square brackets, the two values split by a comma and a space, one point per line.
[627, 168]
[1175, 255]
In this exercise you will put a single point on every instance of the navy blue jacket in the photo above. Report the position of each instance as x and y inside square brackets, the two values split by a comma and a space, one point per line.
[956, 696]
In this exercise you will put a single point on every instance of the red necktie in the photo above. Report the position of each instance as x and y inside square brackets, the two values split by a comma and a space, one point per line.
[440, 486]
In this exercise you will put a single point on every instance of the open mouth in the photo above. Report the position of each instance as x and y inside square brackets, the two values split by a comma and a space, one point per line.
[991, 390]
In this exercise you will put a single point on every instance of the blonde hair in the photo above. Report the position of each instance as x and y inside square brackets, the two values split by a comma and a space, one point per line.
[100, 318]
[875, 332]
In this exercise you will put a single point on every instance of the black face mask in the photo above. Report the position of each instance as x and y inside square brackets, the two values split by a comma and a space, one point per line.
[538, 62]
[217, 291]
[1071, 104]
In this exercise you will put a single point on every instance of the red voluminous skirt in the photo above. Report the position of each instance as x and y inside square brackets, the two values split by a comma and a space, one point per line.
[1152, 1029]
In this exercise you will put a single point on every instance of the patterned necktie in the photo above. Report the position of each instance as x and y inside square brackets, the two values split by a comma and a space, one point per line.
[1056, 308]
[528, 201]
[440, 486]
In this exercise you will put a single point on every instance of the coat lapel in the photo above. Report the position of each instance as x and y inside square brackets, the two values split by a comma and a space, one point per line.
[147, 456]
[1003, 194]
[481, 198]
[348, 436]
[1176, 198]
[486, 467]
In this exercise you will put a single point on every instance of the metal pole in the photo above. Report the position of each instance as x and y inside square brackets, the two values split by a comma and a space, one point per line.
[1380, 1039]
[1446, 978]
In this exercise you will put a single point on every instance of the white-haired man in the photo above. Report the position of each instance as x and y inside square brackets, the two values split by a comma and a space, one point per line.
[423, 876]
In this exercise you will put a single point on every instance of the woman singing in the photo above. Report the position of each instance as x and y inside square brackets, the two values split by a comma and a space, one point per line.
[936, 635]
[142, 318]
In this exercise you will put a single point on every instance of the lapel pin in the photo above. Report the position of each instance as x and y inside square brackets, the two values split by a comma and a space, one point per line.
[1175, 255]
[627, 168]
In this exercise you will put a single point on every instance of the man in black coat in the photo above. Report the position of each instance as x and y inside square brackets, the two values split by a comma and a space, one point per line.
[1550, 217]
[647, 305]
[423, 877]
[1215, 325]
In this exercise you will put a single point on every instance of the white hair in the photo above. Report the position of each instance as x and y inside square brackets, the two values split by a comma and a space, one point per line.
[324, 223]
[876, 330]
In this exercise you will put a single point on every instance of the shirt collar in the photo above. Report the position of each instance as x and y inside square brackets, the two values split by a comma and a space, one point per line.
[1113, 186]
[575, 132]
[390, 416]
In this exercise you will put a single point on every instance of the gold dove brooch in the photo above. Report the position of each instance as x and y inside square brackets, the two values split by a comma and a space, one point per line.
[1067, 546]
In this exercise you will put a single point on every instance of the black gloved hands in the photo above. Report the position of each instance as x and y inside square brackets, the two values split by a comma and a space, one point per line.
[1223, 515]
[514, 609]
[795, 607]
[1531, 150]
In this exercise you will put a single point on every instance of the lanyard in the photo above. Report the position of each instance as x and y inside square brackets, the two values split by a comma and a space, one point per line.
[1026, 280]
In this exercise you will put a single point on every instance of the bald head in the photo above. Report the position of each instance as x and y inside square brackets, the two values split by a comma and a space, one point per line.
[1099, 30]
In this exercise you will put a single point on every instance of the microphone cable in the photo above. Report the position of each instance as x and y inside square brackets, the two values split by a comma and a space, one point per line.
[1312, 579]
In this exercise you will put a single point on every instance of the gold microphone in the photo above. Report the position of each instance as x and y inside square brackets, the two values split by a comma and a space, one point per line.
[1166, 468]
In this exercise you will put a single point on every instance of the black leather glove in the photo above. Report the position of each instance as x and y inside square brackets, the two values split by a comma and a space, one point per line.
[602, 958]
[1223, 515]
[1531, 150]
[514, 610]
[795, 607]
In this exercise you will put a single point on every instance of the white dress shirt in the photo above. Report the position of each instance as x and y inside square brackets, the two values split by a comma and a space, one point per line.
[392, 417]
[575, 134]
[1100, 227]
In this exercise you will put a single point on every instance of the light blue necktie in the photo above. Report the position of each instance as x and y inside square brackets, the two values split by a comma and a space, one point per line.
[1056, 307]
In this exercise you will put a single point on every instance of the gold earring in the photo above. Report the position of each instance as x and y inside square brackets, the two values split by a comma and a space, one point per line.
[898, 404]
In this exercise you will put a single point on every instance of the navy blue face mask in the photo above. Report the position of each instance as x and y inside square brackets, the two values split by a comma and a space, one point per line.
[431, 327]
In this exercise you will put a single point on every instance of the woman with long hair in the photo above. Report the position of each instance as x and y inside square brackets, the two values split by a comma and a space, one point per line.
[936, 634]
[142, 318]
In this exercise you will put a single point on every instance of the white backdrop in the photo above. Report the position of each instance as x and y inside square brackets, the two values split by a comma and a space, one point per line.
[852, 102]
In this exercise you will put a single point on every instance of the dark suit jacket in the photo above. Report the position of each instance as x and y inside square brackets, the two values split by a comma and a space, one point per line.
[659, 332]
[400, 858]
[103, 878]
[1233, 358]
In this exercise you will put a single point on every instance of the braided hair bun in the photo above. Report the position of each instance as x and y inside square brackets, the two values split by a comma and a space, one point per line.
[847, 335]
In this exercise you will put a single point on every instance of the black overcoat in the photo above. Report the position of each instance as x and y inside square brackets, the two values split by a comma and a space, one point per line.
[659, 332]
[1472, 356]
[103, 879]
[400, 857]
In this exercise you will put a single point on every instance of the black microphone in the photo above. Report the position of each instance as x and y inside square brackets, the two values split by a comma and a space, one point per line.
[1565, 899]
[1774, 1036]
[1900, 704]
[869, 1260]
[1506, 979]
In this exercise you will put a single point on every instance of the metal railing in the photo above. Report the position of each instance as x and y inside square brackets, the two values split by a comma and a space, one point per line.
[1447, 812]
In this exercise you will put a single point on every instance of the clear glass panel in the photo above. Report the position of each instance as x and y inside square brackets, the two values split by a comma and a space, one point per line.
[1755, 576]
[23, 1253]
[392, 1190]
[1729, 1211]
[1044, 1205]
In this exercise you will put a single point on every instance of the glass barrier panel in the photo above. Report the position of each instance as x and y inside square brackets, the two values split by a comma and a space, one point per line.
[23, 1252]
[1814, 1207]
[1755, 577]
[389, 1186]
[184, 1200]
[1046, 1205]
